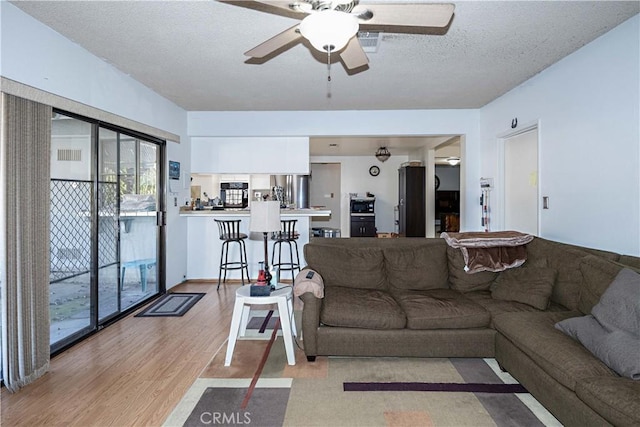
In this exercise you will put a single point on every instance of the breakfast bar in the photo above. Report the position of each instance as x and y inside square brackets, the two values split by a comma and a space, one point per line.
[204, 244]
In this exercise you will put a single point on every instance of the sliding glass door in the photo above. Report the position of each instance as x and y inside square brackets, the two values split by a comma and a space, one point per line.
[72, 148]
[108, 226]
[105, 230]
[138, 186]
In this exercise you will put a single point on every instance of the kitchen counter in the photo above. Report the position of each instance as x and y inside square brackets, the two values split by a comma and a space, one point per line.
[204, 244]
[246, 212]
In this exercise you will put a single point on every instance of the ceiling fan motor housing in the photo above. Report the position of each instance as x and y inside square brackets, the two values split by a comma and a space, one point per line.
[329, 30]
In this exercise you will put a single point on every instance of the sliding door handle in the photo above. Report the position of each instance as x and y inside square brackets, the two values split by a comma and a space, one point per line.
[161, 218]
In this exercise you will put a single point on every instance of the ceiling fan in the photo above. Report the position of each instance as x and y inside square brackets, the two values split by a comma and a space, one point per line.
[331, 25]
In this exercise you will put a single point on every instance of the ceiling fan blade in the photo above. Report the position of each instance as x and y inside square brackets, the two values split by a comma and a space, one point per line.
[406, 14]
[275, 7]
[353, 55]
[289, 35]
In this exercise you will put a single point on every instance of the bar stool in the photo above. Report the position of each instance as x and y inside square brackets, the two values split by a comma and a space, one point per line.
[230, 233]
[287, 235]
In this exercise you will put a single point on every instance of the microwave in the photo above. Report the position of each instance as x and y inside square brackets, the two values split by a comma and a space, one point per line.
[234, 194]
[363, 206]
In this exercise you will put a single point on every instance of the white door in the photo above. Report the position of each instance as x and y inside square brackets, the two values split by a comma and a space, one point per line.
[521, 182]
[324, 190]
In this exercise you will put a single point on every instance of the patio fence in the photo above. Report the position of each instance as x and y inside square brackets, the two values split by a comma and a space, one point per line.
[71, 227]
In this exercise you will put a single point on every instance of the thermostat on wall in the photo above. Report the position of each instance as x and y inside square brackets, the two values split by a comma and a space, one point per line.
[174, 170]
[486, 183]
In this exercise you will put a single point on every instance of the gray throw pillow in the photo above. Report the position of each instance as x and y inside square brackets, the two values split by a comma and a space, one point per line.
[612, 331]
[617, 349]
[619, 306]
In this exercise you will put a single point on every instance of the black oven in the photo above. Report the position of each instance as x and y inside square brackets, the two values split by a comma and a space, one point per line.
[363, 205]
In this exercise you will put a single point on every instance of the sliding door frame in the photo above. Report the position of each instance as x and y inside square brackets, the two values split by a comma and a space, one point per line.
[96, 324]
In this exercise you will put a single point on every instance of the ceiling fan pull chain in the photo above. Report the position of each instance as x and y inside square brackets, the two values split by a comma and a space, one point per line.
[329, 72]
[329, 64]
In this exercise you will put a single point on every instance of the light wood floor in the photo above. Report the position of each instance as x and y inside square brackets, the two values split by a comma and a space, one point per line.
[132, 373]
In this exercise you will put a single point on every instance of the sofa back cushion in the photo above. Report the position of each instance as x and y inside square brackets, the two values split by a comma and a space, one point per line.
[630, 261]
[347, 266]
[418, 267]
[462, 281]
[565, 259]
[528, 284]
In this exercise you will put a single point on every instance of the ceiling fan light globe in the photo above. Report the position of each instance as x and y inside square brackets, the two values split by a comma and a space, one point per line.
[329, 30]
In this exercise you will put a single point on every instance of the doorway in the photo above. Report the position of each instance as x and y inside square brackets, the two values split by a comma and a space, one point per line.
[324, 190]
[521, 182]
[447, 200]
[105, 234]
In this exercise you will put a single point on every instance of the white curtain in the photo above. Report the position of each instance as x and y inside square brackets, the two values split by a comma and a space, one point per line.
[24, 227]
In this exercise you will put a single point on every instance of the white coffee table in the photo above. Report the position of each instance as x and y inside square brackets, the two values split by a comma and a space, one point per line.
[283, 298]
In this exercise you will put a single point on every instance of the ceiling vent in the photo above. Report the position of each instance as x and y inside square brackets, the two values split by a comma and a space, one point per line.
[369, 41]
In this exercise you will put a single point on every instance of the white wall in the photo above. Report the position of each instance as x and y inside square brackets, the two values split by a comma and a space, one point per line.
[355, 178]
[587, 107]
[35, 55]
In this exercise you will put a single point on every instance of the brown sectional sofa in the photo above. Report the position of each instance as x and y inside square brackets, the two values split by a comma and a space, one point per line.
[412, 297]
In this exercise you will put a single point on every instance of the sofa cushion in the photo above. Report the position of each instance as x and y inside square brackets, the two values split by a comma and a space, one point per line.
[418, 268]
[528, 285]
[561, 357]
[361, 308]
[348, 267]
[441, 309]
[462, 281]
[615, 399]
[496, 306]
[630, 261]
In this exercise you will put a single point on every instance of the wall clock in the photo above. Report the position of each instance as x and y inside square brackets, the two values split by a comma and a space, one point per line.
[437, 182]
[374, 171]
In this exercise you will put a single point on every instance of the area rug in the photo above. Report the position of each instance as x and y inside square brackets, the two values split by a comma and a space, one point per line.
[354, 391]
[171, 305]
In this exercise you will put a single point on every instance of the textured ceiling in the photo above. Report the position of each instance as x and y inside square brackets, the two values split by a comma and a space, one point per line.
[192, 53]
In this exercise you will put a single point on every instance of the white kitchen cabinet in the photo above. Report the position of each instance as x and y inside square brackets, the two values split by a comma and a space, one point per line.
[283, 155]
